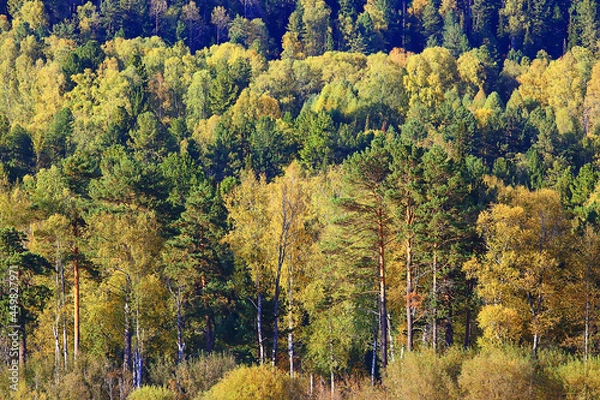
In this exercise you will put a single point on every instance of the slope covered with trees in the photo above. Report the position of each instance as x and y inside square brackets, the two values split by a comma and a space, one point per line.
[344, 190]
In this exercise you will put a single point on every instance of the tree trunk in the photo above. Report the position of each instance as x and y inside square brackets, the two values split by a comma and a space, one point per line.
[374, 360]
[468, 318]
[138, 358]
[331, 359]
[280, 258]
[63, 304]
[449, 328]
[208, 330]
[180, 341]
[409, 295]
[76, 292]
[382, 295]
[56, 326]
[434, 311]
[127, 334]
[290, 323]
[586, 349]
[259, 328]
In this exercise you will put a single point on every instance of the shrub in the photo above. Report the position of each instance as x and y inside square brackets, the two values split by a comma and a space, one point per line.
[151, 393]
[423, 375]
[258, 382]
[580, 380]
[496, 374]
[194, 375]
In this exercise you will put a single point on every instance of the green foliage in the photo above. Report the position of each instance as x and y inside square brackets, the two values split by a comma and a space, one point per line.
[424, 374]
[497, 374]
[193, 376]
[580, 378]
[151, 393]
[259, 382]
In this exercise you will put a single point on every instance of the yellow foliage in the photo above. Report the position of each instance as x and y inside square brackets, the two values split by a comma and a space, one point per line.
[58, 49]
[471, 71]
[400, 56]
[497, 375]
[430, 75]
[533, 81]
[418, 6]
[565, 84]
[231, 52]
[336, 66]
[482, 115]
[251, 383]
[526, 236]
[591, 106]
[447, 6]
[251, 106]
[500, 325]
[33, 13]
[377, 15]
[204, 131]
[292, 47]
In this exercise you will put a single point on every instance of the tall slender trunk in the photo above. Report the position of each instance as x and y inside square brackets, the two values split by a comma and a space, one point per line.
[127, 335]
[391, 339]
[291, 321]
[382, 295]
[331, 358]
[208, 330]
[434, 311]
[56, 326]
[374, 359]
[76, 292]
[180, 340]
[587, 314]
[63, 303]
[468, 317]
[280, 258]
[259, 328]
[139, 348]
[409, 295]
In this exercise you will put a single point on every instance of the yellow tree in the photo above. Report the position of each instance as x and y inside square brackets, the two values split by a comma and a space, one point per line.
[126, 245]
[430, 75]
[565, 81]
[591, 104]
[288, 210]
[247, 206]
[268, 232]
[519, 275]
[581, 294]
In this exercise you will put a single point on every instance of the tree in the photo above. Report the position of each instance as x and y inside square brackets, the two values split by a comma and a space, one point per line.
[408, 200]
[125, 245]
[221, 20]
[519, 275]
[454, 38]
[157, 10]
[65, 192]
[369, 176]
[430, 75]
[315, 17]
[247, 207]
[193, 23]
[583, 25]
[195, 266]
[22, 298]
[223, 91]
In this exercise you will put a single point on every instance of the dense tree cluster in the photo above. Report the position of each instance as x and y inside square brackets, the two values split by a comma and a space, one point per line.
[324, 187]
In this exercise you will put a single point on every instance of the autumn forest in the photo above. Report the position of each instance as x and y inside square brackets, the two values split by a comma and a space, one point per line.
[299, 199]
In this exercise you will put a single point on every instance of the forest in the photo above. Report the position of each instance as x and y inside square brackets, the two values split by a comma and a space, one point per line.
[305, 199]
